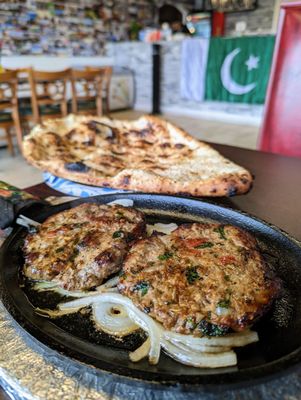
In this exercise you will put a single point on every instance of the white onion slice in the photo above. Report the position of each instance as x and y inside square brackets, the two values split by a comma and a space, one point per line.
[122, 202]
[204, 360]
[141, 319]
[201, 352]
[27, 222]
[231, 340]
[54, 313]
[42, 286]
[80, 303]
[159, 227]
[113, 323]
[200, 348]
[141, 352]
[111, 283]
[222, 311]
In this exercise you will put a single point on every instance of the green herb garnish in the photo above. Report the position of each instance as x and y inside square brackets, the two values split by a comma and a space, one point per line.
[204, 245]
[142, 286]
[191, 324]
[192, 275]
[165, 256]
[224, 303]
[221, 231]
[117, 234]
[227, 278]
[209, 329]
[119, 214]
[74, 254]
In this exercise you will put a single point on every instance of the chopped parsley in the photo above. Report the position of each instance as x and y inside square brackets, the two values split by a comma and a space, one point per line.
[209, 329]
[227, 277]
[204, 245]
[142, 286]
[122, 275]
[117, 234]
[74, 255]
[221, 231]
[224, 303]
[119, 214]
[190, 322]
[59, 250]
[165, 256]
[192, 275]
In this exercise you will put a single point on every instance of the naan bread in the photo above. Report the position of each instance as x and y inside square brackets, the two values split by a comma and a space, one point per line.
[149, 155]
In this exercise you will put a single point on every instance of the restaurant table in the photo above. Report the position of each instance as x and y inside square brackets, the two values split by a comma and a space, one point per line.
[275, 198]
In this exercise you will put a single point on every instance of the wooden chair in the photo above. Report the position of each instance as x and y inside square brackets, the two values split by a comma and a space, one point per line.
[9, 113]
[48, 94]
[107, 75]
[24, 94]
[87, 91]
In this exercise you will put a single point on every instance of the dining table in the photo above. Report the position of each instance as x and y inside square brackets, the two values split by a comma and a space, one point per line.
[275, 198]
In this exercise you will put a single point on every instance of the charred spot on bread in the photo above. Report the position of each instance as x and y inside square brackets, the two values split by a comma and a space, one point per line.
[125, 180]
[232, 190]
[77, 166]
[92, 125]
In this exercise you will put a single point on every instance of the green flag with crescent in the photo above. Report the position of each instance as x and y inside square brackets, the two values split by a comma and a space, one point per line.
[238, 69]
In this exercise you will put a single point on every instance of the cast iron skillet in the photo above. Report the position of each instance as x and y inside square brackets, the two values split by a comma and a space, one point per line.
[279, 347]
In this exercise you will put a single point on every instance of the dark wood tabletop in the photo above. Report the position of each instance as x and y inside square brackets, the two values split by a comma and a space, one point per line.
[275, 197]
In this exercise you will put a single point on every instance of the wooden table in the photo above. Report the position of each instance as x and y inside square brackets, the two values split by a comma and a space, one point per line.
[275, 197]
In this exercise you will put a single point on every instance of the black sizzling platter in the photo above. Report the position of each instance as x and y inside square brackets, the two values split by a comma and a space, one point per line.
[279, 347]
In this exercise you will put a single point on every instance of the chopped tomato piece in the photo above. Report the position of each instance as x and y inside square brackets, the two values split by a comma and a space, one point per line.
[225, 260]
[195, 242]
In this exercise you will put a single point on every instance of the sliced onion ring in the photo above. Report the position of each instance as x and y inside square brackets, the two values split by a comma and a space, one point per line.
[201, 348]
[160, 227]
[111, 283]
[122, 202]
[200, 360]
[141, 352]
[141, 319]
[231, 340]
[114, 324]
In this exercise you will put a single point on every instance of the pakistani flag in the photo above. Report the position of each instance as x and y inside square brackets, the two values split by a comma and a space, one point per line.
[238, 69]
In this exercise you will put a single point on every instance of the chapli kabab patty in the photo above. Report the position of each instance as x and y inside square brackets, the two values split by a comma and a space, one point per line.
[80, 247]
[203, 278]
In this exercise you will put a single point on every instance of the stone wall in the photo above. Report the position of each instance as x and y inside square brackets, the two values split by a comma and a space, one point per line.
[137, 57]
[258, 21]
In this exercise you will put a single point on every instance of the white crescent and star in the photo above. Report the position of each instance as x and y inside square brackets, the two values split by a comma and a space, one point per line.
[229, 84]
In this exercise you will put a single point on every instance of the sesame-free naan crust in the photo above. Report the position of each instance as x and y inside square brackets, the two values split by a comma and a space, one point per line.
[148, 154]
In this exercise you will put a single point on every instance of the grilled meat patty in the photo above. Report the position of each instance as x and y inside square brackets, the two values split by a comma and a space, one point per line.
[203, 278]
[80, 247]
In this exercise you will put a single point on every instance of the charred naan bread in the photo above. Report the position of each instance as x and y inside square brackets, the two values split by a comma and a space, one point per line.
[149, 155]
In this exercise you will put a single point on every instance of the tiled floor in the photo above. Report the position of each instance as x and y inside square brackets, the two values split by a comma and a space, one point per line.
[16, 171]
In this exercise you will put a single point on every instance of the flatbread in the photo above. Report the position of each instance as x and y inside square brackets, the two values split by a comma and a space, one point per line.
[148, 154]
